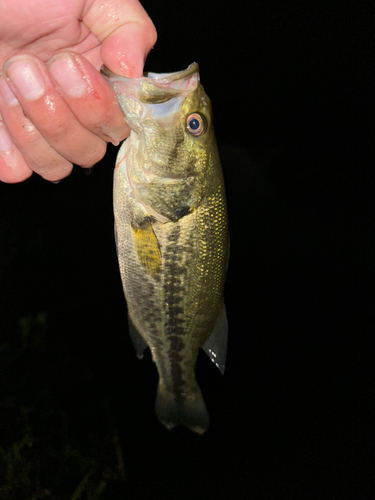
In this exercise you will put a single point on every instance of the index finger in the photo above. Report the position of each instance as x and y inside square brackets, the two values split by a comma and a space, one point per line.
[89, 96]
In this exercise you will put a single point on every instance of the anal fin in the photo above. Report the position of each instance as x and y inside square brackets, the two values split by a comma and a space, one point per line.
[216, 345]
[138, 341]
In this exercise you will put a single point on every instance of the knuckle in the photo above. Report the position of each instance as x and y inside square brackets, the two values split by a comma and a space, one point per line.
[93, 155]
[54, 130]
[153, 35]
[60, 171]
[26, 135]
[151, 32]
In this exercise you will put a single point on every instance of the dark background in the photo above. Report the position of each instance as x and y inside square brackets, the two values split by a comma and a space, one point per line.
[293, 417]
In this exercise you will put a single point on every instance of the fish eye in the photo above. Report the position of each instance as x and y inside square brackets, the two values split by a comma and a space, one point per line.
[195, 124]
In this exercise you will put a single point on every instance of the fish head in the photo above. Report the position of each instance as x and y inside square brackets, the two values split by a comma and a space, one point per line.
[172, 136]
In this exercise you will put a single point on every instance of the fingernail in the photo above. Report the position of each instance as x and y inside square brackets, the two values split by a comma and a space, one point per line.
[55, 182]
[6, 93]
[88, 170]
[68, 75]
[5, 140]
[26, 77]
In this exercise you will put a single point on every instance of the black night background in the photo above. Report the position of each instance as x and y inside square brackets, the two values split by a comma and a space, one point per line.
[293, 416]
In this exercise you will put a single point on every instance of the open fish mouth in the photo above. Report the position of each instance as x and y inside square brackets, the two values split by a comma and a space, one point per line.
[155, 94]
[173, 80]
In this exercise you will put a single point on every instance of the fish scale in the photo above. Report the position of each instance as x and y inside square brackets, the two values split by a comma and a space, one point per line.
[172, 236]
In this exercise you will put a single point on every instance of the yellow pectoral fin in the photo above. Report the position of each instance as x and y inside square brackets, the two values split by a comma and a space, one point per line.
[147, 247]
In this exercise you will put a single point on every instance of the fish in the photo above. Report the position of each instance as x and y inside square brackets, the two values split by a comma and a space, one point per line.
[172, 239]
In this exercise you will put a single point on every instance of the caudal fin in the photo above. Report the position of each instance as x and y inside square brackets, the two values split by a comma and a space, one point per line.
[188, 409]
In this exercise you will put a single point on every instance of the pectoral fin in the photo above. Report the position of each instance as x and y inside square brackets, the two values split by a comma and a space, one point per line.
[146, 247]
[216, 345]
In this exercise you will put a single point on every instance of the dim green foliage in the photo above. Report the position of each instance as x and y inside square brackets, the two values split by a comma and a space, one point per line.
[46, 451]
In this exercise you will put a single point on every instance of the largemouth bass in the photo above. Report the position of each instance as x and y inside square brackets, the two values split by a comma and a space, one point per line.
[172, 234]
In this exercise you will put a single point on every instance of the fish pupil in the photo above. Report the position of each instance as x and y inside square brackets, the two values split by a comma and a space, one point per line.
[194, 124]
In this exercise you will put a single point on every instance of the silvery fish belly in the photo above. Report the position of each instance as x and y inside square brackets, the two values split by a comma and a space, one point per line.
[172, 235]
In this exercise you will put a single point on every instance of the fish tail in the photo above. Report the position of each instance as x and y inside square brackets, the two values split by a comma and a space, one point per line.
[187, 409]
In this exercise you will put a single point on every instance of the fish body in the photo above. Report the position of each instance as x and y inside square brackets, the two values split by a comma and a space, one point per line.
[172, 234]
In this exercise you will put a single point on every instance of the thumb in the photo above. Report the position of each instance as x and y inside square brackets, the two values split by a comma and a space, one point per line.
[126, 32]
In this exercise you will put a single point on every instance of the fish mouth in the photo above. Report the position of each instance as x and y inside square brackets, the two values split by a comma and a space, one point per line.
[153, 88]
[175, 76]
[163, 78]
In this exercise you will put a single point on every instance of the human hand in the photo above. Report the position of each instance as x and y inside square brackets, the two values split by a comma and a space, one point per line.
[55, 107]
